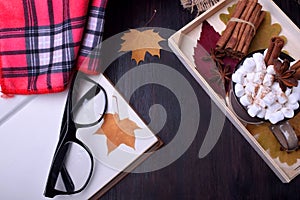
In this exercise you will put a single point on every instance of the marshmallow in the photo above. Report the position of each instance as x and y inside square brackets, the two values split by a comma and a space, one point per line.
[269, 99]
[260, 102]
[268, 114]
[282, 98]
[265, 52]
[250, 76]
[287, 112]
[268, 80]
[293, 98]
[276, 87]
[253, 110]
[249, 64]
[259, 77]
[251, 88]
[275, 107]
[278, 91]
[271, 70]
[260, 67]
[241, 70]
[276, 117]
[262, 91]
[262, 113]
[259, 61]
[261, 94]
[297, 90]
[239, 90]
[238, 77]
[246, 81]
[294, 106]
[246, 100]
[288, 91]
[258, 57]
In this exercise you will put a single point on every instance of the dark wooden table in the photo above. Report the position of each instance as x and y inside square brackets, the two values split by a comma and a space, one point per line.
[232, 170]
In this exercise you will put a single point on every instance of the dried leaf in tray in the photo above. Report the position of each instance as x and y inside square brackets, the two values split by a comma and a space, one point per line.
[268, 141]
[285, 165]
[207, 64]
[262, 133]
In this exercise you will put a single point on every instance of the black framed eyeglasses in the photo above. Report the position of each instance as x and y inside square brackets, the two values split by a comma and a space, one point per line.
[85, 107]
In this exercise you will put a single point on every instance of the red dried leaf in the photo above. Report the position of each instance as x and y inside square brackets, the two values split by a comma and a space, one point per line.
[209, 37]
[207, 42]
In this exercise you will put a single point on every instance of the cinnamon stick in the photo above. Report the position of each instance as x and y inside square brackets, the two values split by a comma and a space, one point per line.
[257, 21]
[270, 49]
[231, 24]
[246, 38]
[242, 30]
[260, 19]
[234, 39]
[278, 45]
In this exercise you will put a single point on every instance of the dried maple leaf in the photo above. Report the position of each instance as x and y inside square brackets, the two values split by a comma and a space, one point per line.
[268, 141]
[118, 131]
[140, 42]
[265, 32]
[226, 17]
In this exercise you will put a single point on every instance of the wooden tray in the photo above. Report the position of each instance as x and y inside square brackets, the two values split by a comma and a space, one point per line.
[184, 41]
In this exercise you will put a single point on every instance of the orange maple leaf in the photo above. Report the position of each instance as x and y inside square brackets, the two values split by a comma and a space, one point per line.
[118, 131]
[140, 42]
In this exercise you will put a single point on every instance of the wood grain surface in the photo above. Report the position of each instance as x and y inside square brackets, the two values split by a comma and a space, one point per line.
[232, 170]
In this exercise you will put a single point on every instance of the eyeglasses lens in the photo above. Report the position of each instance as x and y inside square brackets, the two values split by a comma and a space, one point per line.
[89, 102]
[76, 168]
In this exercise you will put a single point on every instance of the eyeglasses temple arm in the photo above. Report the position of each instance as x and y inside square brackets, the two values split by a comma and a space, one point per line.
[67, 180]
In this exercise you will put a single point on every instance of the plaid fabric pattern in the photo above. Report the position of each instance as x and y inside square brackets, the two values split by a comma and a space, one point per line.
[41, 42]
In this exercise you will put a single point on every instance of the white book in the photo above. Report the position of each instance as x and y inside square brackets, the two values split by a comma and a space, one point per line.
[30, 128]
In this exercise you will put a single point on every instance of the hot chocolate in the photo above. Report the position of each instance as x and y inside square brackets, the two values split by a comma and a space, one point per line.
[259, 92]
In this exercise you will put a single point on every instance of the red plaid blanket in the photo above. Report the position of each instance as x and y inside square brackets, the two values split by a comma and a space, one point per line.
[41, 42]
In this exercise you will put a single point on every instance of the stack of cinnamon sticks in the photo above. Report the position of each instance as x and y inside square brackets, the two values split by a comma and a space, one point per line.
[274, 49]
[241, 28]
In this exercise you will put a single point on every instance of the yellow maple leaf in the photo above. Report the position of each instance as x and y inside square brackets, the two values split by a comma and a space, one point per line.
[268, 141]
[264, 33]
[226, 17]
[118, 131]
[140, 42]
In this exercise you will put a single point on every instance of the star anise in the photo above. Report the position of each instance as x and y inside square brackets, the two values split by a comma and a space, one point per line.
[224, 71]
[217, 55]
[286, 76]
